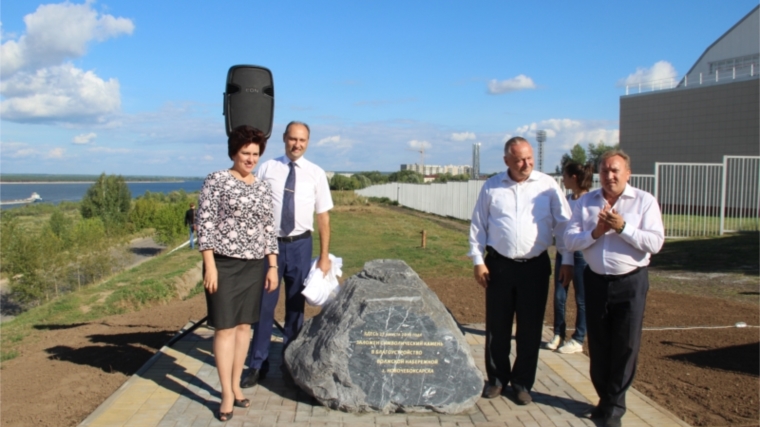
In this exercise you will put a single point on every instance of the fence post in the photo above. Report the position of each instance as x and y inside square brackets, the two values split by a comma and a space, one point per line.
[723, 197]
[656, 182]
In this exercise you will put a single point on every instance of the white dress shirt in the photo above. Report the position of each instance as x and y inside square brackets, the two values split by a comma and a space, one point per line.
[312, 193]
[615, 253]
[519, 220]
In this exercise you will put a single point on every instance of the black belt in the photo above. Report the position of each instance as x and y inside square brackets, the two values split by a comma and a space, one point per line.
[492, 252]
[612, 277]
[290, 239]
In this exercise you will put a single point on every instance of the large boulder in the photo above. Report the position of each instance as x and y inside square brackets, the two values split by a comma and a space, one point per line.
[385, 344]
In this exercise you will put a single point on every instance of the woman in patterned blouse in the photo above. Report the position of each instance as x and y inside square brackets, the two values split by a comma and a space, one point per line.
[235, 225]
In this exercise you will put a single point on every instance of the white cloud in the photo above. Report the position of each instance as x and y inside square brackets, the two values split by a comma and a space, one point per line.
[56, 32]
[521, 82]
[55, 153]
[39, 84]
[334, 141]
[208, 158]
[463, 136]
[110, 150]
[84, 138]
[563, 134]
[16, 150]
[662, 71]
[419, 145]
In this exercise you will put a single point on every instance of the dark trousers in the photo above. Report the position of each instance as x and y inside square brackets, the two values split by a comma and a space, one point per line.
[293, 264]
[515, 288]
[614, 316]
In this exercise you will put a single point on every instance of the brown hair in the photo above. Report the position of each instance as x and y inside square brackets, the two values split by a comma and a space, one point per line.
[612, 153]
[244, 135]
[584, 174]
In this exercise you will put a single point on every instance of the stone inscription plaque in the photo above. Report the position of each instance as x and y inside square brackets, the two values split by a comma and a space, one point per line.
[402, 357]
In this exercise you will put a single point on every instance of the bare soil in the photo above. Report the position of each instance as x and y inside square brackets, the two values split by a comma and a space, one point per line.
[708, 377]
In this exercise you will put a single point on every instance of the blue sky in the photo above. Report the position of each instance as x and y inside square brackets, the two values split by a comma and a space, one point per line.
[131, 87]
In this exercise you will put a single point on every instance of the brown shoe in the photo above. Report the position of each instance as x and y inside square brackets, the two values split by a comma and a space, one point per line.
[491, 391]
[522, 397]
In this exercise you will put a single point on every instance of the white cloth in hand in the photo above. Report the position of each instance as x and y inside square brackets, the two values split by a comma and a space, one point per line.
[319, 289]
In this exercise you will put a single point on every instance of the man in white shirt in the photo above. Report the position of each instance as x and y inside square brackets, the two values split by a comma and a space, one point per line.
[516, 217]
[617, 227]
[299, 189]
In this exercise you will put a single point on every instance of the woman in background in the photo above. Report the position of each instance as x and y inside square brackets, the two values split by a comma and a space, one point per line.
[235, 226]
[576, 178]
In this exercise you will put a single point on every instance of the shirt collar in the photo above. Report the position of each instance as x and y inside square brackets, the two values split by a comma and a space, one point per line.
[627, 193]
[286, 160]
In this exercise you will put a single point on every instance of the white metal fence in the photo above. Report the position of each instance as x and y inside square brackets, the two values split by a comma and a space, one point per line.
[696, 199]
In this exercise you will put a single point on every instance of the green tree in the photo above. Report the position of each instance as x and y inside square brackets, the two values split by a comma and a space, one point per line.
[169, 222]
[577, 154]
[109, 199]
[93, 251]
[446, 177]
[341, 182]
[360, 181]
[60, 225]
[22, 261]
[143, 213]
[595, 151]
[406, 176]
[375, 177]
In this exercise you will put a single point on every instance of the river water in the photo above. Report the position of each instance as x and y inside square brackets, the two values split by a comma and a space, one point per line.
[73, 192]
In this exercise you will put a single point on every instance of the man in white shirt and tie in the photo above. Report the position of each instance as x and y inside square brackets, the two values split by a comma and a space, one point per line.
[299, 189]
[617, 227]
[517, 216]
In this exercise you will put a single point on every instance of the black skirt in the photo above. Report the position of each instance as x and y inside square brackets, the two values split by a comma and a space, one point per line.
[237, 299]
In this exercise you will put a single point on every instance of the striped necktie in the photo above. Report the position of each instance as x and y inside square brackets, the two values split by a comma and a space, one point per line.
[288, 219]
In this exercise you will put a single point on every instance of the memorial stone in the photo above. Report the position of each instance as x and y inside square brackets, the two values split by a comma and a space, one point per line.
[385, 344]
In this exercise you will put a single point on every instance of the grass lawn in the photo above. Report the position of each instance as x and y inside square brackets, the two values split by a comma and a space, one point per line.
[363, 233]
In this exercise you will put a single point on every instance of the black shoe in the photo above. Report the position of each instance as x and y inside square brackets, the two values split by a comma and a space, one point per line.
[252, 377]
[491, 391]
[596, 413]
[523, 397]
[223, 416]
[613, 421]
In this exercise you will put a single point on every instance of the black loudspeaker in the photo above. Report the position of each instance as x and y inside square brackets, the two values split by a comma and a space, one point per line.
[249, 98]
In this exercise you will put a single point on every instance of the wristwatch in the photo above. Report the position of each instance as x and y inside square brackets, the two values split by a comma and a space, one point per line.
[272, 266]
[620, 230]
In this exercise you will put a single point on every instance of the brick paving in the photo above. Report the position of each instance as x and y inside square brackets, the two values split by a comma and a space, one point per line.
[180, 387]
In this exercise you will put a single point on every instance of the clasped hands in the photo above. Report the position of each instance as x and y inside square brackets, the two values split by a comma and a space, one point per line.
[609, 219]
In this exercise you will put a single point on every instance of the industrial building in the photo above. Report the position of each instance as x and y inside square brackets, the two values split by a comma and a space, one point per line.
[713, 111]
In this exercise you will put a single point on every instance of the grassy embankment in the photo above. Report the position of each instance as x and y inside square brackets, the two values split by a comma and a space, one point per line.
[152, 282]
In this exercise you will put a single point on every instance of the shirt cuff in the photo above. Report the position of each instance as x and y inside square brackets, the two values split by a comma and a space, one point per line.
[477, 260]
[568, 258]
[628, 230]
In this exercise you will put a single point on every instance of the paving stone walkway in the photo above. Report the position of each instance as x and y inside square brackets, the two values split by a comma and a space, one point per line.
[180, 387]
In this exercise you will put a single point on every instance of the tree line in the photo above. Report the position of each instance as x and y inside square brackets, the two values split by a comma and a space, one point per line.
[80, 243]
[360, 180]
[582, 156]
